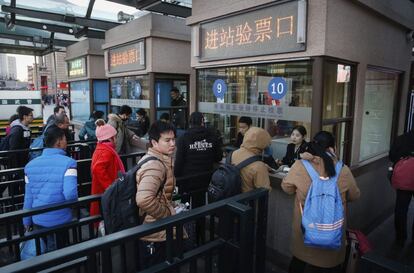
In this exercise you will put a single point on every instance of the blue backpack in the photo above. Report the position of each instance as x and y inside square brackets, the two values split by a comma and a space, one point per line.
[323, 213]
[38, 142]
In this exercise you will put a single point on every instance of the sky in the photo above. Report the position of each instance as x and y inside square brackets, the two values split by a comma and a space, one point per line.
[102, 9]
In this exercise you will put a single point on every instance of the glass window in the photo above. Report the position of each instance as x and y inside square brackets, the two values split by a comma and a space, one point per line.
[72, 7]
[336, 107]
[247, 95]
[380, 90]
[337, 90]
[80, 102]
[133, 91]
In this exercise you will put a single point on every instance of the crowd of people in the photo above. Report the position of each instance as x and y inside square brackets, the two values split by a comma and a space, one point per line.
[52, 177]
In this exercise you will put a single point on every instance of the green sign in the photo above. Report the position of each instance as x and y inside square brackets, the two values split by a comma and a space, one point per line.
[77, 68]
[20, 101]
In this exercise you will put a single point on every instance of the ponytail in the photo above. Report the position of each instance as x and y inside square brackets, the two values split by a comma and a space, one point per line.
[100, 122]
[319, 146]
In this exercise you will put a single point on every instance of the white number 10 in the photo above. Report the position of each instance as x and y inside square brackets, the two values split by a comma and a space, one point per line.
[278, 88]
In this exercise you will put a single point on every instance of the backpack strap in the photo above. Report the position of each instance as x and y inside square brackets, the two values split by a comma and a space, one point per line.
[314, 174]
[338, 167]
[137, 167]
[228, 157]
[249, 161]
[310, 169]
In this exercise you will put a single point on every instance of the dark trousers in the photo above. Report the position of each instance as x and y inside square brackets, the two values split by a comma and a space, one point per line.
[299, 266]
[400, 214]
[151, 253]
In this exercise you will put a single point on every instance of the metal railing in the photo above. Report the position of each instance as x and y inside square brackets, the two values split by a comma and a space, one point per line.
[13, 234]
[12, 182]
[236, 242]
[373, 263]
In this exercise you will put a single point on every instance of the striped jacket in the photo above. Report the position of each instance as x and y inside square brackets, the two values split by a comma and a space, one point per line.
[50, 178]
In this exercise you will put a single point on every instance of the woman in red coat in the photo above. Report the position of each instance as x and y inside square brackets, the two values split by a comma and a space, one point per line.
[106, 163]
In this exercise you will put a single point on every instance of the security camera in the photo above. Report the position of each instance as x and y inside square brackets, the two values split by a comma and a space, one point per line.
[124, 17]
[410, 36]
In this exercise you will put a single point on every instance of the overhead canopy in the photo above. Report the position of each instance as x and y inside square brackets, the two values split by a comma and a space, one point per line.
[37, 27]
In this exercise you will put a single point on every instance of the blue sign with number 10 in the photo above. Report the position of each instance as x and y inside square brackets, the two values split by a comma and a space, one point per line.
[219, 88]
[277, 88]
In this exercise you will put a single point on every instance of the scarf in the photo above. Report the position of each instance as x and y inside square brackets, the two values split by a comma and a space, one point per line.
[111, 147]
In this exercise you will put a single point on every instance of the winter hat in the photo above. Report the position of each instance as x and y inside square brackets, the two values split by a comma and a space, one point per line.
[104, 131]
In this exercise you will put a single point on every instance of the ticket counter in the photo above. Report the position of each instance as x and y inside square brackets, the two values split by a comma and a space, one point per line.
[88, 86]
[320, 64]
[144, 60]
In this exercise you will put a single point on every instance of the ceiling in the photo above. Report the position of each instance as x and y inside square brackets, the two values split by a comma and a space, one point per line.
[34, 27]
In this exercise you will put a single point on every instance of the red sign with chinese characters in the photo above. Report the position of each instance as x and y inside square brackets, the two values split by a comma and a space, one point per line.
[264, 31]
[127, 58]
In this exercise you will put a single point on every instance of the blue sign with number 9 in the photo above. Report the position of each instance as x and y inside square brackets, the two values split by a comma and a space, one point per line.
[277, 88]
[219, 88]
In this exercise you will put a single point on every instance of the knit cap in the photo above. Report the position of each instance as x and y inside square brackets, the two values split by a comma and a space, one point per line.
[104, 131]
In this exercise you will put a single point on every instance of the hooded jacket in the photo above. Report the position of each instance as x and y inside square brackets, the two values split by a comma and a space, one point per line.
[19, 138]
[298, 181]
[88, 130]
[197, 151]
[255, 175]
[155, 204]
[126, 141]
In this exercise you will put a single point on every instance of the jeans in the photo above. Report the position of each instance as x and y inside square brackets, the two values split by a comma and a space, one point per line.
[56, 240]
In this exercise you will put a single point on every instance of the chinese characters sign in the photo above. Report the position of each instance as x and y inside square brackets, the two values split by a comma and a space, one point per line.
[77, 68]
[127, 58]
[265, 31]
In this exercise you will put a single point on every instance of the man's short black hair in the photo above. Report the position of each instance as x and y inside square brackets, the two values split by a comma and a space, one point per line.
[56, 109]
[196, 119]
[24, 111]
[125, 109]
[141, 112]
[165, 116]
[247, 120]
[158, 128]
[175, 90]
[53, 135]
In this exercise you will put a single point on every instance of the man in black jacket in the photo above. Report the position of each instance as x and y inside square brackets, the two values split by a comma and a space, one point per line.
[197, 151]
[20, 138]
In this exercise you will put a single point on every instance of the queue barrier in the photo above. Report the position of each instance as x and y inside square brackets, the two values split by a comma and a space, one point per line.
[11, 225]
[12, 182]
[236, 237]
[373, 263]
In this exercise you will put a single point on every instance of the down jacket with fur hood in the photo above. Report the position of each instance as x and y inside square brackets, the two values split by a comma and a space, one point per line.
[255, 175]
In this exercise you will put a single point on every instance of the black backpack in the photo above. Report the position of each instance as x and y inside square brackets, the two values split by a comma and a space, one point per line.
[119, 208]
[226, 181]
[4, 143]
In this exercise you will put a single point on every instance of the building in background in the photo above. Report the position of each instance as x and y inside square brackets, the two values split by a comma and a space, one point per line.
[11, 68]
[49, 74]
[3, 66]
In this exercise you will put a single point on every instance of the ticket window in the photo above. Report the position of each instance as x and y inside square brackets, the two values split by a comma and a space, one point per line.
[164, 104]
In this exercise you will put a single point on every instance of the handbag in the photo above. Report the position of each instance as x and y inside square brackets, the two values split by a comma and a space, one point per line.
[28, 248]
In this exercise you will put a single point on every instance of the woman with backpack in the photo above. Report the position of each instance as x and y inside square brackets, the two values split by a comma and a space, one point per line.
[319, 165]
[106, 162]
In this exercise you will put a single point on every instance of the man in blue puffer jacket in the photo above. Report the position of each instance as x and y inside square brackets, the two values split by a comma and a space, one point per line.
[51, 178]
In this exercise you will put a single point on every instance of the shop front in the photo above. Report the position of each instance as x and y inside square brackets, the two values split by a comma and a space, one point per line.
[320, 64]
[144, 66]
[88, 87]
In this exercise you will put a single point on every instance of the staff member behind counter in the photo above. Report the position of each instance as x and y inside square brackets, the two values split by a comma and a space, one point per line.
[297, 147]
